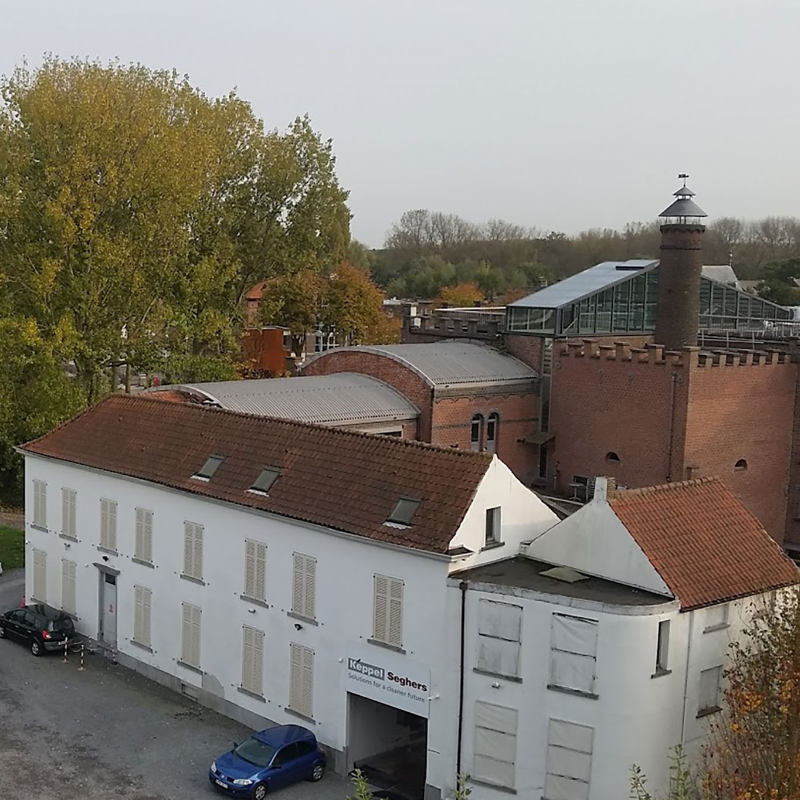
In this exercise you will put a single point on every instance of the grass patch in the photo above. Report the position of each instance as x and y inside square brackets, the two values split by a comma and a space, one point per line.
[12, 547]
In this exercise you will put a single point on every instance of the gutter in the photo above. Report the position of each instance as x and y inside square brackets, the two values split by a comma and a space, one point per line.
[463, 586]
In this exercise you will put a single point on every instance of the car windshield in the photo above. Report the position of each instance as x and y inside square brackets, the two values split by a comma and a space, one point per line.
[255, 752]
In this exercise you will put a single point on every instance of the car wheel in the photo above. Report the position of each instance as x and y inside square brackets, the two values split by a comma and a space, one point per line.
[2, 632]
[260, 792]
[36, 648]
[317, 773]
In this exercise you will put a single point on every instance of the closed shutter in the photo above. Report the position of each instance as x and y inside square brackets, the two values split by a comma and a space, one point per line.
[255, 568]
[68, 586]
[304, 585]
[495, 744]
[68, 527]
[573, 653]
[301, 680]
[388, 610]
[193, 550]
[144, 535]
[499, 638]
[190, 651]
[108, 524]
[569, 761]
[141, 619]
[252, 659]
[40, 575]
[40, 503]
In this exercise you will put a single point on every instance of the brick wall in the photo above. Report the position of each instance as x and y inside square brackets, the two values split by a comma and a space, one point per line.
[603, 405]
[527, 349]
[452, 417]
[386, 369]
[745, 411]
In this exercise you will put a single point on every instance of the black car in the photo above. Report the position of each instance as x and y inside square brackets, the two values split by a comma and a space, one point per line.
[41, 627]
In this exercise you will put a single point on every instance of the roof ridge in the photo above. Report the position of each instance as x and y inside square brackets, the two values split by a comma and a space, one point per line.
[388, 441]
[620, 493]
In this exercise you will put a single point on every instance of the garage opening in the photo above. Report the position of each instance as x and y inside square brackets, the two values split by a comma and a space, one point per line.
[388, 745]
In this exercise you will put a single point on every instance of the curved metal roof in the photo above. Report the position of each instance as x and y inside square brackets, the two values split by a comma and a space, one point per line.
[345, 397]
[451, 362]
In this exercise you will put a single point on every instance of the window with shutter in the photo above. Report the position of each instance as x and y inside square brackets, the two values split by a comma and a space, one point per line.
[40, 504]
[68, 527]
[573, 654]
[193, 550]
[304, 586]
[143, 546]
[252, 659]
[40, 575]
[68, 586]
[388, 611]
[108, 525]
[190, 640]
[708, 697]
[301, 680]
[141, 617]
[499, 638]
[495, 744]
[255, 570]
[569, 761]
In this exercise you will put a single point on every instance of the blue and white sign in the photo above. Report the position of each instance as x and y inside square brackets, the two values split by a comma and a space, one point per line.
[388, 678]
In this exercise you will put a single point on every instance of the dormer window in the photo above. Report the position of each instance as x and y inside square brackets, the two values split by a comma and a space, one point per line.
[403, 512]
[263, 483]
[209, 468]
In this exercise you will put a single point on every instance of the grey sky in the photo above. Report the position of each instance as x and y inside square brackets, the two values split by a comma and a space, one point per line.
[554, 113]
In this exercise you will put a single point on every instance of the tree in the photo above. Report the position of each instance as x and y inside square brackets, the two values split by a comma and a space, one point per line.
[353, 305]
[294, 302]
[754, 749]
[778, 282]
[461, 295]
[135, 211]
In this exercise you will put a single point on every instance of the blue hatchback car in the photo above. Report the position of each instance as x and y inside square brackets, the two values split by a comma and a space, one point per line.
[267, 761]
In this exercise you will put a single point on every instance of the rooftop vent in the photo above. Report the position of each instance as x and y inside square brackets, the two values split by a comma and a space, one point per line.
[403, 512]
[565, 574]
[208, 469]
[263, 483]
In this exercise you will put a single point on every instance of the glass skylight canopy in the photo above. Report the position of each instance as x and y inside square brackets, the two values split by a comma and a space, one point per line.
[621, 296]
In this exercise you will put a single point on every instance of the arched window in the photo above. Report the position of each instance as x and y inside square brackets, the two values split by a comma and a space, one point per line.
[492, 430]
[612, 457]
[740, 466]
[476, 432]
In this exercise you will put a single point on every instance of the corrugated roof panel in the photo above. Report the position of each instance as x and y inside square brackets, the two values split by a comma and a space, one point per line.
[453, 362]
[591, 280]
[322, 399]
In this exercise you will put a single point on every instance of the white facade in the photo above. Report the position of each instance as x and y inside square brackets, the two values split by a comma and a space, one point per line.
[176, 580]
[633, 714]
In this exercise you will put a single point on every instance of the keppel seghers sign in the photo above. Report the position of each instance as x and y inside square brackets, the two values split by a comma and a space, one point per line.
[388, 678]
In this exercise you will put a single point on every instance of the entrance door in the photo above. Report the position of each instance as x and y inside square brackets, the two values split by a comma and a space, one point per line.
[108, 609]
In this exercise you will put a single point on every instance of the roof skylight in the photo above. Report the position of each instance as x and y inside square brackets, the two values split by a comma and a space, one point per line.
[263, 483]
[208, 469]
[404, 511]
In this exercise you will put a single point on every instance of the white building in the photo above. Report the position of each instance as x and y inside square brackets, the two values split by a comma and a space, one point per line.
[603, 644]
[271, 569]
[418, 608]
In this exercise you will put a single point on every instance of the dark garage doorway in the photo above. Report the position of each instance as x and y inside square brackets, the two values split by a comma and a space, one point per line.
[389, 745]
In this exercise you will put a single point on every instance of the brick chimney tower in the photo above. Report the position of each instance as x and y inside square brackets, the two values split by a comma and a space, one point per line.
[678, 306]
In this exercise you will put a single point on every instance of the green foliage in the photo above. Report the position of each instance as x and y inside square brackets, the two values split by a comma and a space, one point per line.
[12, 547]
[778, 282]
[681, 786]
[463, 789]
[136, 211]
[360, 786]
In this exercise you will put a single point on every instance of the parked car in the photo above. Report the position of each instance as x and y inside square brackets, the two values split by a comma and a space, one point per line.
[42, 628]
[268, 760]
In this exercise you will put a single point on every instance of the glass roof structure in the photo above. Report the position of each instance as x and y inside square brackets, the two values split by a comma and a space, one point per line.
[620, 297]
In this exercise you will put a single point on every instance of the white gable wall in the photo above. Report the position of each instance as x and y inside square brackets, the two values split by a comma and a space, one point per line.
[594, 541]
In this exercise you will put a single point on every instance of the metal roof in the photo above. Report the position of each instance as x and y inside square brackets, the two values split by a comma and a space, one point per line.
[591, 280]
[721, 273]
[451, 362]
[683, 207]
[345, 397]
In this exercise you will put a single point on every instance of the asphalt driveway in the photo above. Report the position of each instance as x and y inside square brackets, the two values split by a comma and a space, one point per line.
[107, 732]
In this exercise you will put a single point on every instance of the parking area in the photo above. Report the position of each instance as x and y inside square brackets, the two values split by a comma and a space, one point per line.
[107, 732]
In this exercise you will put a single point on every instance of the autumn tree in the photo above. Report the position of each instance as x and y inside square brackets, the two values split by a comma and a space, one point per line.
[461, 295]
[135, 211]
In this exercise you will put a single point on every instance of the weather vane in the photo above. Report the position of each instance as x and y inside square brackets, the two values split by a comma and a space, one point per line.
[684, 176]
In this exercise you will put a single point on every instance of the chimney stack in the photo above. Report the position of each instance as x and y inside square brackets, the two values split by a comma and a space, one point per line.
[678, 309]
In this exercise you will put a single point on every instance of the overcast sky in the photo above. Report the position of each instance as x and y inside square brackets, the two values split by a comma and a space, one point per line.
[558, 114]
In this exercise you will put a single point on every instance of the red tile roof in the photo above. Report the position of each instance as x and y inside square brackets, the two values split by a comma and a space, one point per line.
[705, 544]
[338, 479]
